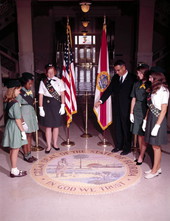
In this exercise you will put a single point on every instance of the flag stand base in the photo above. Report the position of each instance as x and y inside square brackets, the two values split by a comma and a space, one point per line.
[68, 143]
[85, 135]
[104, 143]
[37, 148]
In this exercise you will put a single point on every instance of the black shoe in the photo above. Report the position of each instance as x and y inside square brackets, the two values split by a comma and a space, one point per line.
[136, 160]
[115, 150]
[56, 148]
[139, 163]
[125, 152]
[47, 151]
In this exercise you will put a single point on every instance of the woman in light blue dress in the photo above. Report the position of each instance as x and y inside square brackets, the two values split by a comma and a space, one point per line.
[25, 98]
[14, 134]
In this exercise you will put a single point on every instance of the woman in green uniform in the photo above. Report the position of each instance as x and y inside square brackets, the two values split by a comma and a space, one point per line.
[25, 98]
[139, 108]
[14, 134]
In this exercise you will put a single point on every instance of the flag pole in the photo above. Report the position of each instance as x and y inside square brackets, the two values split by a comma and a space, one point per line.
[36, 147]
[86, 134]
[104, 72]
[68, 143]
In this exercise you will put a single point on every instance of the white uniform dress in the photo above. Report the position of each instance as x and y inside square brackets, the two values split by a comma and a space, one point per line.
[159, 98]
[51, 105]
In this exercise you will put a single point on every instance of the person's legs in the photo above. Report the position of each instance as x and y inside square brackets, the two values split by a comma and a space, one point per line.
[142, 148]
[55, 136]
[119, 139]
[157, 158]
[48, 134]
[29, 139]
[27, 150]
[127, 136]
[13, 157]
[27, 147]
[156, 170]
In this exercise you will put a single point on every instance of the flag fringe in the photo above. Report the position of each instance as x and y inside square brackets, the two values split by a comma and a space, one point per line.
[103, 128]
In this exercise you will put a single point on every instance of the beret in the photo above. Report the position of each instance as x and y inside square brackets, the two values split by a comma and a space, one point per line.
[157, 69]
[49, 65]
[13, 83]
[142, 66]
[28, 76]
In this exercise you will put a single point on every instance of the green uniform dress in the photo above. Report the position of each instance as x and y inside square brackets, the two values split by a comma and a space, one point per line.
[140, 108]
[12, 134]
[27, 110]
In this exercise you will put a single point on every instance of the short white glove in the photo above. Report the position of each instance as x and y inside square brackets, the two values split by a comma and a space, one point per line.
[23, 135]
[41, 112]
[25, 126]
[144, 125]
[62, 109]
[132, 118]
[155, 130]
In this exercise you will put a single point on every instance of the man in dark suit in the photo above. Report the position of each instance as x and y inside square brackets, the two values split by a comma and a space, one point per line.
[120, 86]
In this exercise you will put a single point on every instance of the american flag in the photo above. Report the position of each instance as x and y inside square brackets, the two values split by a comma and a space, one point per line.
[68, 77]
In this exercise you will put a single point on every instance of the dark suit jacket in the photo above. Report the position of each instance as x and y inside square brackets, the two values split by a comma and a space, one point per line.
[121, 94]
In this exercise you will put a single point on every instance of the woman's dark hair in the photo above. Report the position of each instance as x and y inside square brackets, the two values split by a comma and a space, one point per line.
[159, 80]
[144, 69]
[26, 76]
[24, 81]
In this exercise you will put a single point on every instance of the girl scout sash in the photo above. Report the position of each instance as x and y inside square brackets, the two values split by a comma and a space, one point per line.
[51, 89]
[152, 108]
[8, 106]
[29, 99]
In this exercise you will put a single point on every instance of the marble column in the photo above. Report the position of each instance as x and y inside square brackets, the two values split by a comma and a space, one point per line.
[145, 31]
[25, 40]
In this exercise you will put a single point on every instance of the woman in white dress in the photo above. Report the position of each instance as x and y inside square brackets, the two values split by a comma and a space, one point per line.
[154, 124]
[51, 106]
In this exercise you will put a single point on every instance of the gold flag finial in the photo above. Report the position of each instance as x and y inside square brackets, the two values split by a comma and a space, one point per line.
[104, 22]
[67, 20]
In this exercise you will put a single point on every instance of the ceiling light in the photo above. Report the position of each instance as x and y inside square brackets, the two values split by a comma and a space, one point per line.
[85, 6]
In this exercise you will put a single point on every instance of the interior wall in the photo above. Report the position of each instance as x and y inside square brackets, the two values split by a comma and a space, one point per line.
[43, 41]
[124, 40]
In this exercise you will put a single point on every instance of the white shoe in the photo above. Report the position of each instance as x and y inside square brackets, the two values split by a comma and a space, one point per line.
[151, 175]
[149, 171]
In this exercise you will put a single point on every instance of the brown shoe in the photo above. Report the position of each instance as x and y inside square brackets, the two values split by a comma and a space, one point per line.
[34, 158]
[21, 173]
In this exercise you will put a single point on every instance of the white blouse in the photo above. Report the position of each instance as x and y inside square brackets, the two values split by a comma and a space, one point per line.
[160, 97]
[57, 84]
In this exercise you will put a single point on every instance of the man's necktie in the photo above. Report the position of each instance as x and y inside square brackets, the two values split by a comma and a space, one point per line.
[121, 80]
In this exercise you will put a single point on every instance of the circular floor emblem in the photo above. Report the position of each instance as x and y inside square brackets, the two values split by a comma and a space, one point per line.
[85, 172]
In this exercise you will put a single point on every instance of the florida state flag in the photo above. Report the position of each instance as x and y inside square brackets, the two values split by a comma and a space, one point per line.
[104, 111]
